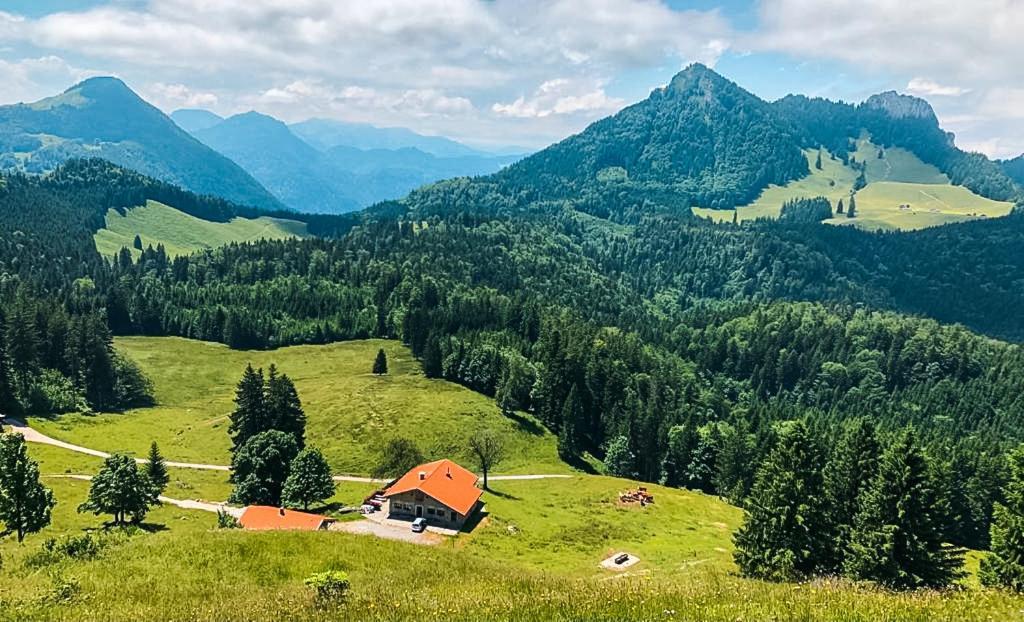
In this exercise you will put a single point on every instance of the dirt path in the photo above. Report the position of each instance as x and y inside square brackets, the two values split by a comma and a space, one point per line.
[185, 504]
[35, 436]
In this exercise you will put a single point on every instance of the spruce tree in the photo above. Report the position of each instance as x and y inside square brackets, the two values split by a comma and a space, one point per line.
[851, 211]
[783, 536]
[682, 441]
[733, 473]
[1004, 565]
[850, 469]
[284, 408]
[432, 362]
[380, 364]
[897, 535]
[839, 207]
[309, 480]
[137, 242]
[8, 399]
[817, 162]
[250, 415]
[156, 469]
[572, 421]
[25, 504]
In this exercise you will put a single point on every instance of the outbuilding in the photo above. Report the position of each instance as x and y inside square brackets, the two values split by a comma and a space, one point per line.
[442, 492]
[268, 518]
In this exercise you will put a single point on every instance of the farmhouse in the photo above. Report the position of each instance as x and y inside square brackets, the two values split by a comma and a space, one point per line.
[267, 518]
[442, 492]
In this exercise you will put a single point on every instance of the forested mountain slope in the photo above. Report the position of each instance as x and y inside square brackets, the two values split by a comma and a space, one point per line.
[103, 118]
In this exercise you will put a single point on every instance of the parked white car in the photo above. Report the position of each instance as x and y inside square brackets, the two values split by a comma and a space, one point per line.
[419, 525]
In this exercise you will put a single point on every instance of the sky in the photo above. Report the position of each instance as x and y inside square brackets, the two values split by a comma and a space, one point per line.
[520, 73]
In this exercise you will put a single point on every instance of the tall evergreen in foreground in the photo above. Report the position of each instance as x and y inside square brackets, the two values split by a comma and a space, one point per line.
[25, 504]
[284, 408]
[851, 468]
[897, 535]
[1004, 566]
[156, 469]
[380, 364]
[783, 536]
[572, 420]
[250, 415]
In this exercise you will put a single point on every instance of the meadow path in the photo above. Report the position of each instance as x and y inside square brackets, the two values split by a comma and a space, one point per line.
[186, 504]
[35, 436]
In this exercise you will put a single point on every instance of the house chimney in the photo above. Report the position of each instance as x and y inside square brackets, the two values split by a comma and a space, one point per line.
[423, 475]
[449, 473]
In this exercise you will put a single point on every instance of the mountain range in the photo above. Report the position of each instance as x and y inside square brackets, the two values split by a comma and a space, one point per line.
[333, 167]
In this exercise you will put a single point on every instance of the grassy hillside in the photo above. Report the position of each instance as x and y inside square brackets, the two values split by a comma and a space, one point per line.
[350, 412]
[182, 234]
[182, 568]
[895, 177]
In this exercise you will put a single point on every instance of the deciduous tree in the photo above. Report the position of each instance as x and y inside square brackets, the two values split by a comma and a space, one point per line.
[25, 504]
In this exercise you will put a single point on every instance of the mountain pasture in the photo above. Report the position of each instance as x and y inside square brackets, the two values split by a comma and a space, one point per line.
[183, 234]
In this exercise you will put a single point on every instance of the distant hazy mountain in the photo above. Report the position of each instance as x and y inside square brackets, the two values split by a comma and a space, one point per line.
[103, 118]
[195, 119]
[326, 133]
[341, 178]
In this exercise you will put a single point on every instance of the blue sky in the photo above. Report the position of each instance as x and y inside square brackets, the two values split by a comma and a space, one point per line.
[520, 72]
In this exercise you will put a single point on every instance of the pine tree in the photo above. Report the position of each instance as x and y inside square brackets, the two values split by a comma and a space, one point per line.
[284, 408]
[851, 211]
[572, 419]
[783, 536]
[817, 162]
[851, 467]
[8, 399]
[121, 489]
[380, 364]
[250, 415]
[682, 441]
[619, 459]
[309, 480]
[733, 475]
[839, 207]
[25, 504]
[1004, 566]
[897, 537]
[432, 357]
[156, 469]
[137, 242]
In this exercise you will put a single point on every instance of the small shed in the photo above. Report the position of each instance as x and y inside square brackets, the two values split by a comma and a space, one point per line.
[269, 518]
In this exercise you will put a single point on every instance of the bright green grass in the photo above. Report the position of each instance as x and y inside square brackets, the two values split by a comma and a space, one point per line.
[350, 412]
[897, 178]
[185, 569]
[182, 234]
[570, 526]
[878, 206]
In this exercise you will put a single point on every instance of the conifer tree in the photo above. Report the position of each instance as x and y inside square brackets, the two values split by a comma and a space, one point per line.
[432, 363]
[572, 420]
[284, 408]
[783, 533]
[850, 469]
[839, 207]
[8, 399]
[156, 469]
[897, 538]
[250, 415]
[309, 480]
[1004, 565]
[817, 162]
[682, 441]
[851, 211]
[733, 474]
[25, 504]
[380, 364]
[137, 242]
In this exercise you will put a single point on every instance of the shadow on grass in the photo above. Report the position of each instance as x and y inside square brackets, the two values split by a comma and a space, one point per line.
[473, 520]
[503, 495]
[526, 424]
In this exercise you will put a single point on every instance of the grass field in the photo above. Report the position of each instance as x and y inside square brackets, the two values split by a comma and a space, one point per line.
[182, 234]
[897, 178]
[350, 412]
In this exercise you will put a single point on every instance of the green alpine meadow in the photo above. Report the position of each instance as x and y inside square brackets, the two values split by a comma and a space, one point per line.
[467, 310]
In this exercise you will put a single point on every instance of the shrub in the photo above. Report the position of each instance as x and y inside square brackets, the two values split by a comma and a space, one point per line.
[227, 521]
[329, 588]
[54, 550]
[54, 393]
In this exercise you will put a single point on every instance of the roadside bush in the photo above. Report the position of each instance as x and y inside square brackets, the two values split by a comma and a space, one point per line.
[227, 521]
[329, 588]
[54, 393]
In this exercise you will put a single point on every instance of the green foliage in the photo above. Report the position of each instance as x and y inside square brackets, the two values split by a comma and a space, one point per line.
[806, 210]
[227, 521]
[1004, 566]
[488, 449]
[329, 588]
[618, 459]
[896, 539]
[398, 457]
[25, 504]
[156, 469]
[783, 535]
[380, 363]
[260, 467]
[121, 489]
[309, 480]
[572, 420]
[851, 468]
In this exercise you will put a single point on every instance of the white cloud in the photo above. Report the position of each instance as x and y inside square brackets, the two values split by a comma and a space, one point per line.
[173, 96]
[561, 96]
[438, 65]
[31, 79]
[925, 87]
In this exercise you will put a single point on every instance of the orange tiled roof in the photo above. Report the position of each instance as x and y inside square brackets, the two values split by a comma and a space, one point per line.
[443, 480]
[265, 517]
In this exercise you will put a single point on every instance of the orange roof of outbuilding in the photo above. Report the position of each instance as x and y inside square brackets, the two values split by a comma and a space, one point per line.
[265, 517]
[443, 480]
